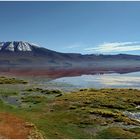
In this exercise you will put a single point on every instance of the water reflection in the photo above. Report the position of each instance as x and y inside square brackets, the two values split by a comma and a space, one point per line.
[129, 80]
[65, 78]
[58, 72]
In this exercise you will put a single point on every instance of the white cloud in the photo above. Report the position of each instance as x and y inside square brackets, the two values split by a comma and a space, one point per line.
[115, 47]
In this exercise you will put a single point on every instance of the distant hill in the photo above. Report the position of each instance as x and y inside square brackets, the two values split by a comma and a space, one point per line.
[24, 54]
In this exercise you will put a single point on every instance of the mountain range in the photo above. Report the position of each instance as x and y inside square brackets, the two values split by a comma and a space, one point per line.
[24, 54]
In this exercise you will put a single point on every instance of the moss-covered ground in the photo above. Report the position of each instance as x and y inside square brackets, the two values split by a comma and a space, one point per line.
[87, 113]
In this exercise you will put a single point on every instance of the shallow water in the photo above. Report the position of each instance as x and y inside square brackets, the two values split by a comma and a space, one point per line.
[114, 80]
[13, 100]
[75, 78]
[133, 115]
[69, 80]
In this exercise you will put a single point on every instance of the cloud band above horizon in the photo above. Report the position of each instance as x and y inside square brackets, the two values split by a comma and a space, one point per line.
[115, 47]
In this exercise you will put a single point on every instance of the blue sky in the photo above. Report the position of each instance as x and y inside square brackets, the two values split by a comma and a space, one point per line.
[80, 27]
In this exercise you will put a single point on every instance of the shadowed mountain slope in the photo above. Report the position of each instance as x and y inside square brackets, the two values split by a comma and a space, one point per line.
[24, 54]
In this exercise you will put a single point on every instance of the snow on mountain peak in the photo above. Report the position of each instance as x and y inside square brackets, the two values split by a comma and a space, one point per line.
[17, 46]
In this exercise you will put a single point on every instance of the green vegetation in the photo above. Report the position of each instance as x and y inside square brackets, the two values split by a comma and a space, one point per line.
[33, 99]
[88, 113]
[8, 92]
[118, 133]
[44, 91]
[121, 99]
[5, 80]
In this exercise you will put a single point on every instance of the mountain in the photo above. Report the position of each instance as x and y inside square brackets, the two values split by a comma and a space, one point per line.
[19, 52]
[24, 54]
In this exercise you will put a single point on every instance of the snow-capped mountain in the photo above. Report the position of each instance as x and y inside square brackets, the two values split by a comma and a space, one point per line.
[15, 46]
[25, 53]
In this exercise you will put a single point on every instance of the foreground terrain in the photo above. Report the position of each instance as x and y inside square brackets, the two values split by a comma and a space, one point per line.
[34, 112]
